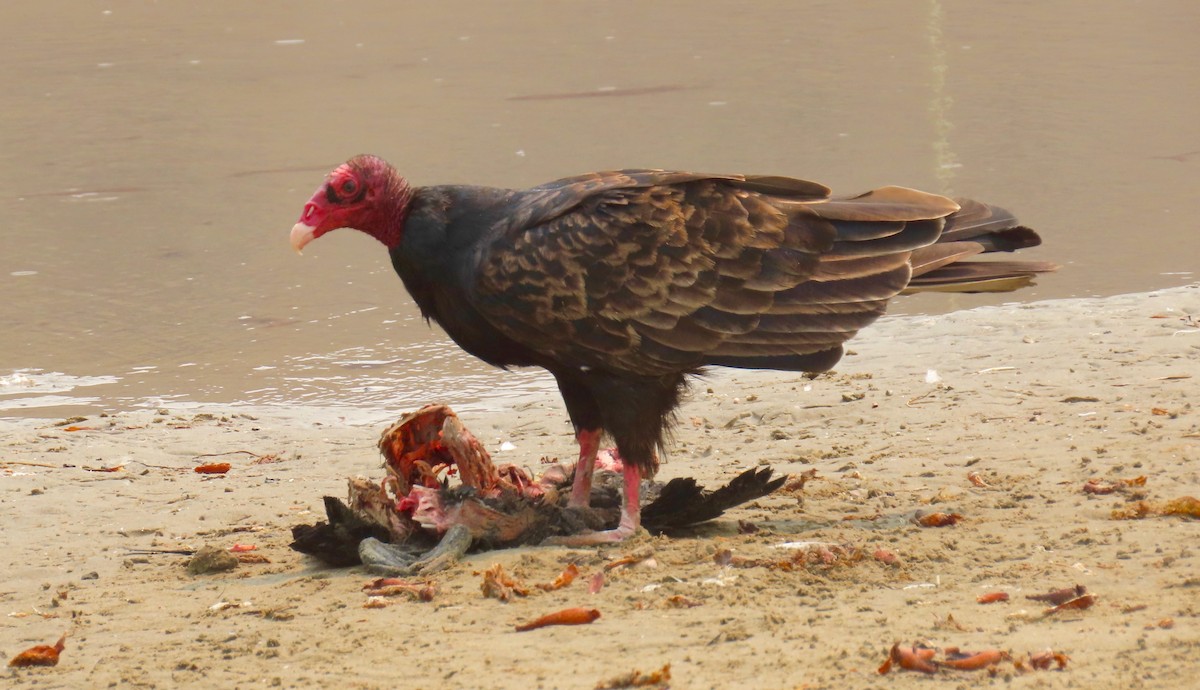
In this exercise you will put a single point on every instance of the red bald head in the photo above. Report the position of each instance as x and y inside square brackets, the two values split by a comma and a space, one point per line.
[364, 193]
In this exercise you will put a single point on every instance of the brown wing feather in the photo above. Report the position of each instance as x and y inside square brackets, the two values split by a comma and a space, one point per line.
[976, 228]
[655, 272]
[888, 204]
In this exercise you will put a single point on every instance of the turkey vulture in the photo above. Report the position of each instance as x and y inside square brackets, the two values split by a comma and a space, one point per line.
[620, 284]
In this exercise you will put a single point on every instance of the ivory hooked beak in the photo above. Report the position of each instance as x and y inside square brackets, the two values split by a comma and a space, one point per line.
[301, 235]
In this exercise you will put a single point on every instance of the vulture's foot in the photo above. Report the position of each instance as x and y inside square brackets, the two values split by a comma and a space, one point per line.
[631, 518]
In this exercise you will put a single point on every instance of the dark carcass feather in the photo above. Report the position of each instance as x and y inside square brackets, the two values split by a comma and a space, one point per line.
[683, 503]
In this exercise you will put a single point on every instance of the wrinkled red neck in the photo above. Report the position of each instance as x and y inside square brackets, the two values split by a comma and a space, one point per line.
[386, 220]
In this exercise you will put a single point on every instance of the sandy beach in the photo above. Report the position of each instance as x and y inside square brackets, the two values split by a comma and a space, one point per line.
[1001, 415]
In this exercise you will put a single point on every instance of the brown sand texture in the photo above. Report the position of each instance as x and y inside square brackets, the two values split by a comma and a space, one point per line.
[1038, 424]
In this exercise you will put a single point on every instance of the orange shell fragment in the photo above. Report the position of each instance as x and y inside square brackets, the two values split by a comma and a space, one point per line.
[939, 519]
[574, 616]
[41, 655]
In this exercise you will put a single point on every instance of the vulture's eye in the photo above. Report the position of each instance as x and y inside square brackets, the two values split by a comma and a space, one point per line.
[348, 187]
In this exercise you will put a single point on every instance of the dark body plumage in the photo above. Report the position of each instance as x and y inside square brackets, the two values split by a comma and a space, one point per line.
[621, 283]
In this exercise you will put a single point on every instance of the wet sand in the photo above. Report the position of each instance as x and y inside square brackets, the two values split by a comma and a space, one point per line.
[1032, 401]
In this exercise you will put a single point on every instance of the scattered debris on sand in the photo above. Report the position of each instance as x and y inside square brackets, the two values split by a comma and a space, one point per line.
[924, 658]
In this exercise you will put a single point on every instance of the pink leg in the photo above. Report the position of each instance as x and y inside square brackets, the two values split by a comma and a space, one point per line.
[631, 508]
[631, 516]
[581, 487]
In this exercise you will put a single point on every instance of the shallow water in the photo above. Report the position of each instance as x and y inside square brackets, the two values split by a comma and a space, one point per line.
[153, 157]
